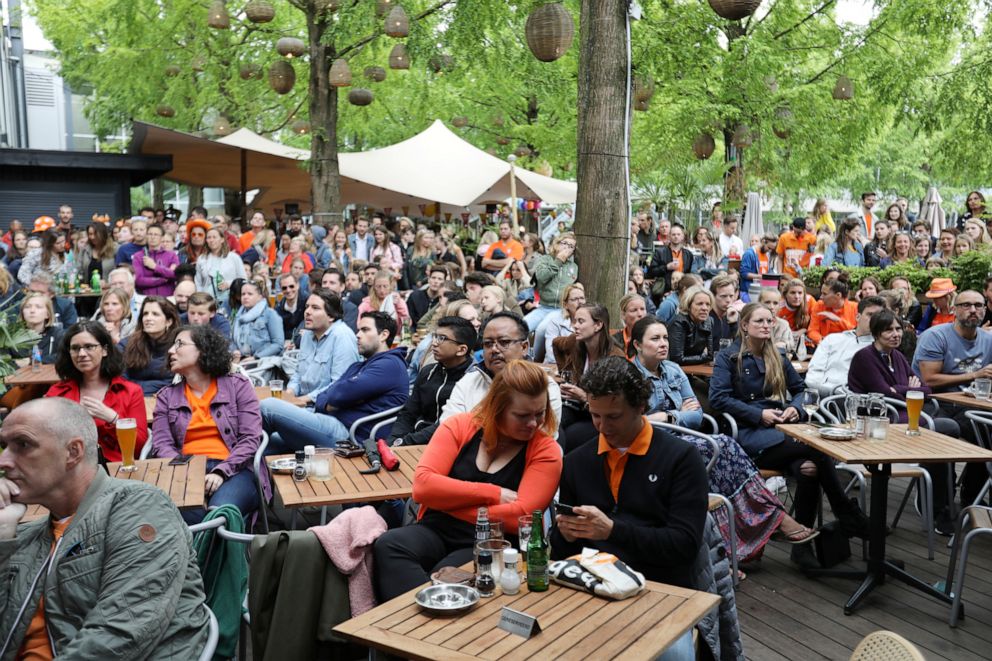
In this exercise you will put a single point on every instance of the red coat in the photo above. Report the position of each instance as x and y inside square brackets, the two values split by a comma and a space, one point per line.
[122, 396]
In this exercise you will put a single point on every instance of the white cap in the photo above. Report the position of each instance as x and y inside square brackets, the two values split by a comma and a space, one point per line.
[309, 450]
[509, 556]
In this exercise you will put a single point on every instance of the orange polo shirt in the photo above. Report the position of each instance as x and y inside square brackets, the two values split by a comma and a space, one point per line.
[36, 646]
[511, 248]
[820, 327]
[792, 249]
[202, 435]
[616, 460]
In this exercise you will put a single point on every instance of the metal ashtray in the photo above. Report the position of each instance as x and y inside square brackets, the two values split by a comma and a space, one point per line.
[283, 466]
[838, 434]
[447, 598]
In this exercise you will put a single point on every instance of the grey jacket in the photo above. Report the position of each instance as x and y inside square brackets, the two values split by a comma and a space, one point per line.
[123, 581]
[720, 630]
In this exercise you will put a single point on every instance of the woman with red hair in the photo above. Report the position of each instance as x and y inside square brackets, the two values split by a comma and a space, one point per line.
[501, 455]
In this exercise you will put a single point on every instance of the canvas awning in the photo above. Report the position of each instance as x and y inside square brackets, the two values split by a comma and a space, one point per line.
[435, 165]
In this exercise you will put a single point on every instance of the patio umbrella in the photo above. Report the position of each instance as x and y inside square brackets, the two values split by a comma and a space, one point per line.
[753, 224]
[931, 211]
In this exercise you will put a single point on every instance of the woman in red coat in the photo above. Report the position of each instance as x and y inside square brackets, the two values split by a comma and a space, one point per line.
[90, 366]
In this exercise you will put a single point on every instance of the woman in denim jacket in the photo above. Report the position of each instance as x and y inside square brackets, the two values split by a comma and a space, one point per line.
[257, 330]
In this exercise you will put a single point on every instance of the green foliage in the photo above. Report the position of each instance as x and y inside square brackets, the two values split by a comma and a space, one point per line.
[918, 276]
[14, 338]
[972, 268]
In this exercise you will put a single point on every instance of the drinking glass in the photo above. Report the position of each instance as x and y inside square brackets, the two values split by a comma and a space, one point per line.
[851, 405]
[275, 387]
[914, 404]
[496, 548]
[982, 389]
[725, 343]
[127, 434]
[495, 529]
[322, 465]
[523, 533]
[811, 402]
[877, 428]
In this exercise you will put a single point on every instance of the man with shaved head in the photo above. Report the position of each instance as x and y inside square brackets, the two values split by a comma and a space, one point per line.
[109, 572]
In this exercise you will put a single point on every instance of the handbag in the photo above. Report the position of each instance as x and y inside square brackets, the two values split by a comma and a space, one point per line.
[832, 546]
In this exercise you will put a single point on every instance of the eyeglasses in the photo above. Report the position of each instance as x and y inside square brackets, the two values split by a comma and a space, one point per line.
[438, 340]
[502, 343]
[567, 244]
[80, 348]
[179, 344]
[970, 306]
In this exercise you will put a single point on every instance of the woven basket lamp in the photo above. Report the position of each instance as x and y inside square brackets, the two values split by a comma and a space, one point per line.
[165, 111]
[734, 10]
[328, 6]
[259, 11]
[282, 76]
[340, 75]
[375, 74]
[222, 126]
[642, 105]
[460, 122]
[217, 17]
[523, 151]
[844, 89]
[742, 137]
[441, 63]
[502, 142]
[300, 127]
[250, 71]
[397, 23]
[782, 126]
[549, 31]
[643, 88]
[703, 146]
[172, 70]
[398, 57]
[198, 63]
[360, 96]
[382, 7]
[290, 47]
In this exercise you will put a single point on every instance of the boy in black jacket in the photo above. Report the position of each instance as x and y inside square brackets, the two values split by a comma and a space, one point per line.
[639, 493]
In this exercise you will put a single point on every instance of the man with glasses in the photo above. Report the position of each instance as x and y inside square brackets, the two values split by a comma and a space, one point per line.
[451, 346]
[289, 308]
[504, 338]
[948, 358]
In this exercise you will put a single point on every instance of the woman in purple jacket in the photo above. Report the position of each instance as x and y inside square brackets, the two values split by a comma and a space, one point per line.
[214, 413]
[155, 268]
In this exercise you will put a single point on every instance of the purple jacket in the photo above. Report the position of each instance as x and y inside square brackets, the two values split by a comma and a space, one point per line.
[236, 411]
[160, 281]
[869, 373]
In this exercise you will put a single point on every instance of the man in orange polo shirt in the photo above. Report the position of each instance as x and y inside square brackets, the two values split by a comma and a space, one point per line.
[509, 247]
[795, 248]
[833, 312]
[638, 492]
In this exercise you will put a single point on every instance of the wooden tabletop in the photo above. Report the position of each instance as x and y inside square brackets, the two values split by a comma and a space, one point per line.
[349, 486]
[706, 370]
[184, 484]
[898, 447]
[25, 376]
[574, 625]
[963, 400]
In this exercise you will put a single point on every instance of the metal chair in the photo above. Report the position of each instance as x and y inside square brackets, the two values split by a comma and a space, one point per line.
[146, 449]
[975, 520]
[716, 500]
[981, 422]
[886, 646]
[213, 635]
[374, 417]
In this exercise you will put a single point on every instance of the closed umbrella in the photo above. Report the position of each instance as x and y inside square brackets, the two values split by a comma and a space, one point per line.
[753, 224]
[931, 212]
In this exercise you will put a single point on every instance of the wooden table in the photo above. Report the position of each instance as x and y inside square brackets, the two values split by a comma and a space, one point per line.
[705, 371]
[348, 485]
[963, 400]
[574, 625]
[878, 457]
[184, 484]
[25, 376]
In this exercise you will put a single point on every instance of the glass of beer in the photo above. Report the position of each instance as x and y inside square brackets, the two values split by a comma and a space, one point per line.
[127, 433]
[914, 404]
[275, 387]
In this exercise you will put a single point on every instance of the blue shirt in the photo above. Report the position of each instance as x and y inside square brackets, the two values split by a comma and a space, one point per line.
[322, 362]
[942, 344]
[669, 391]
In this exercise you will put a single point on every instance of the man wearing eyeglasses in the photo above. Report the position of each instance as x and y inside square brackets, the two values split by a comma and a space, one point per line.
[289, 308]
[949, 357]
[504, 338]
[451, 346]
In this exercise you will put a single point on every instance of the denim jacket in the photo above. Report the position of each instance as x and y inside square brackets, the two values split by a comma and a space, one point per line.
[323, 361]
[264, 337]
[672, 385]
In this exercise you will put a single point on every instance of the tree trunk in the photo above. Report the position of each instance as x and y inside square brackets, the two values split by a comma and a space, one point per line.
[195, 197]
[733, 181]
[602, 225]
[158, 193]
[325, 182]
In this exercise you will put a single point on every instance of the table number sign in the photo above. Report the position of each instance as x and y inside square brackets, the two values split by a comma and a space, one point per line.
[520, 624]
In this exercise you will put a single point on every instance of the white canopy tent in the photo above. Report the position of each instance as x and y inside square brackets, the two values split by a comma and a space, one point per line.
[434, 166]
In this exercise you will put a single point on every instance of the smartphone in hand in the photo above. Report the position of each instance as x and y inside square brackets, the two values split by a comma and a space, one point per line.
[566, 510]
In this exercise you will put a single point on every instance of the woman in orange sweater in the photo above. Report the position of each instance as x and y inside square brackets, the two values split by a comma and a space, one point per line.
[501, 456]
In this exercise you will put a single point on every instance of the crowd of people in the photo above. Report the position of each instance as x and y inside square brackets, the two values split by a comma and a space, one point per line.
[518, 385]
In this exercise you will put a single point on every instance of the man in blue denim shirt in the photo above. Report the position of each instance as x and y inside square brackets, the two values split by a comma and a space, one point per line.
[327, 347]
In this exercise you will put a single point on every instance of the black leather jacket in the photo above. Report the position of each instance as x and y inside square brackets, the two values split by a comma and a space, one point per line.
[689, 342]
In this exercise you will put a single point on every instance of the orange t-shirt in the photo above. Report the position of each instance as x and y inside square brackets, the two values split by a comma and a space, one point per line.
[511, 248]
[942, 318]
[820, 327]
[762, 262]
[616, 460]
[202, 435]
[869, 221]
[36, 646]
[678, 259]
[795, 251]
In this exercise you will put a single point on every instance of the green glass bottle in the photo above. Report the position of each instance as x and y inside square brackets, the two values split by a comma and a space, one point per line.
[537, 556]
[95, 282]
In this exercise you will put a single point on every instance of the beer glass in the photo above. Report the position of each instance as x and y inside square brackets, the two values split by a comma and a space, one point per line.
[914, 404]
[982, 388]
[275, 387]
[127, 433]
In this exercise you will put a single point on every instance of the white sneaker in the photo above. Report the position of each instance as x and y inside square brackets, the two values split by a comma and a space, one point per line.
[776, 484]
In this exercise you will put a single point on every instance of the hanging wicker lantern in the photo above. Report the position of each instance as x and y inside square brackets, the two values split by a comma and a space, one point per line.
[282, 76]
[782, 126]
[375, 74]
[642, 105]
[290, 47]
[172, 70]
[549, 30]
[217, 17]
[844, 89]
[643, 88]
[703, 146]
[198, 63]
[398, 57]
[502, 142]
[397, 23]
[329, 6]
[382, 7]
[300, 127]
[441, 63]
[250, 71]
[498, 121]
[460, 121]
[734, 10]
[340, 75]
[771, 82]
[360, 96]
[523, 151]
[544, 168]
[222, 126]
[165, 111]
[259, 11]
[742, 137]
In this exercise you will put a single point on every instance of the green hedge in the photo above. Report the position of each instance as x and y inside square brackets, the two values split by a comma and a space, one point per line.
[918, 276]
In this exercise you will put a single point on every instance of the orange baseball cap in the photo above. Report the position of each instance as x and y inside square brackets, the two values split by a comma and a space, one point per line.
[42, 223]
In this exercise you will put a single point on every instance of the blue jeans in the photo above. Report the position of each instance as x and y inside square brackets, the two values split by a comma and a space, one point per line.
[239, 490]
[537, 315]
[291, 427]
[681, 650]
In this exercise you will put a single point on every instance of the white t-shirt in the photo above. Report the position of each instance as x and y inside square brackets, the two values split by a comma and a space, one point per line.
[731, 245]
[361, 248]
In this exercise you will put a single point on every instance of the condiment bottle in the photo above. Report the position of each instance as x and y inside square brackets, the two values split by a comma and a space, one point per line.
[509, 578]
[484, 581]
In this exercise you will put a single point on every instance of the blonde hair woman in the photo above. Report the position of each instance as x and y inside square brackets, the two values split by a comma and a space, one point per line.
[39, 316]
[115, 313]
[690, 332]
[976, 230]
[492, 299]
[421, 257]
[821, 212]
[383, 298]
[559, 322]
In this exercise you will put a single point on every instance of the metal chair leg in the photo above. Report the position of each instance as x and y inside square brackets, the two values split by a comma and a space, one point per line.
[733, 535]
[902, 503]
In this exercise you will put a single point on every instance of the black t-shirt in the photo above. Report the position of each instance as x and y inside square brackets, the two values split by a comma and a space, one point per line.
[458, 533]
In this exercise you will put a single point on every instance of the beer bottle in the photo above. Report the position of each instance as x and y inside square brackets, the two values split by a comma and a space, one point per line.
[537, 556]
[482, 525]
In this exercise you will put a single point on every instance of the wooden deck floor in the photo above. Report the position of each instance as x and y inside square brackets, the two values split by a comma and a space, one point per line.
[785, 616]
